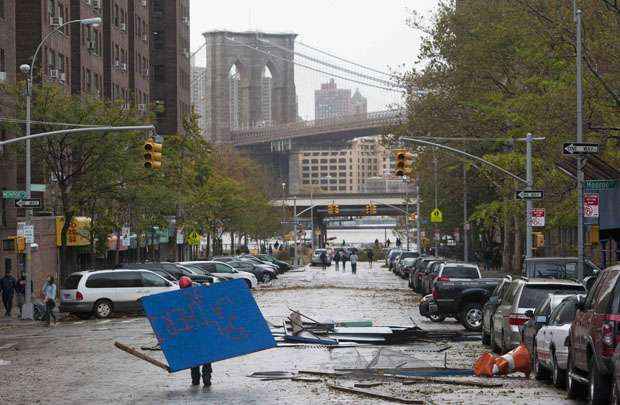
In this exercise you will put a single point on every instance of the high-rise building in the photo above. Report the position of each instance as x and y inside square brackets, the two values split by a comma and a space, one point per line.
[116, 50]
[170, 63]
[331, 102]
[338, 170]
[87, 44]
[199, 92]
[139, 52]
[359, 104]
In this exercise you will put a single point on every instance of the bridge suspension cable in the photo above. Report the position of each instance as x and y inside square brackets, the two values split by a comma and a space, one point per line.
[305, 66]
[331, 65]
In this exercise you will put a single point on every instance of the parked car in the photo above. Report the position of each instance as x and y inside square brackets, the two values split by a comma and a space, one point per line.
[258, 261]
[398, 268]
[593, 338]
[407, 265]
[172, 269]
[459, 291]
[105, 292]
[224, 271]
[550, 349]
[416, 275]
[316, 257]
[537, 320]
[392, 256]
[488, 310]
[615, 385]
[558, 267]
[264, 274]
[430, 274]
[283, 266]
[524, 295]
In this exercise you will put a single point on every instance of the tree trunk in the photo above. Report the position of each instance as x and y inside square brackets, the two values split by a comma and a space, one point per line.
[506, 241]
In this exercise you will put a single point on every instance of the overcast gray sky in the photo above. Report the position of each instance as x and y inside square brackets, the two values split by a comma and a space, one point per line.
[373, 33]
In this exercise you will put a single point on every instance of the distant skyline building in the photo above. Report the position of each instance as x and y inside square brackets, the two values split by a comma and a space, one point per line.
[199, 92]
[331, 102]
[359, 103]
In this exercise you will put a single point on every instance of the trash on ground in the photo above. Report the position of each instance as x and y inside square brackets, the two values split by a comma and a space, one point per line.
[367, 384]
[5, 362]
[375, 394]
[516, 360]
[8, 346]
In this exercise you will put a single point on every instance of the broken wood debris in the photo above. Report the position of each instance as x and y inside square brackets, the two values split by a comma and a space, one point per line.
[375, 394]
[367, 384]
[141, 356]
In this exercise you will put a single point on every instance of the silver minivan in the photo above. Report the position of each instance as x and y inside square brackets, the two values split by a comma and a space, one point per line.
[521, 296]
[107, 291]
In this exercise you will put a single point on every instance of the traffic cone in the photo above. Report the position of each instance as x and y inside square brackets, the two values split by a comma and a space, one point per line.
[516, 360]
[483, 367]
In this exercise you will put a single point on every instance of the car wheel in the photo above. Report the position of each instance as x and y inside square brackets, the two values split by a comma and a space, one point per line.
[557, 375]
[103, 309]
[598, 387]
[266, 277]
[437, 318]
[471, 317]
[540, 372]
[84, 315]
[572, 386]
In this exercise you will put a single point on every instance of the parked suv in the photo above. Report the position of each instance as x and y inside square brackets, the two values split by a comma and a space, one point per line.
[416, 276]
[557, 267]
[524, 295]
[106, 291]
[489, 309]
[171, 269]
[593, 338]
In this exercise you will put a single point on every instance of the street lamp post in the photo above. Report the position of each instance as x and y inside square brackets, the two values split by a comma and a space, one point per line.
[27, 310]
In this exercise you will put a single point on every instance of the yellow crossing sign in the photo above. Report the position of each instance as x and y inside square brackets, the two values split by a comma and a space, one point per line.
[436, 216]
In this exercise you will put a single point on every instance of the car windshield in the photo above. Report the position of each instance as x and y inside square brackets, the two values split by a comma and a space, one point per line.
[460, 272]
[222, 268]
[71, 283]
[534, 295]
[409, 261]
[196, 269]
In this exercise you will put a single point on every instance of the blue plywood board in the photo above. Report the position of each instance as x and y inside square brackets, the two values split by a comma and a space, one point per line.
[199, 325]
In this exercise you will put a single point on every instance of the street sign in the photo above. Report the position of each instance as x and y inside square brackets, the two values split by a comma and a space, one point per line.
[537, 217]
[194, 239]
[25, 203]
[529, 194]
[27, 231]
[14, 195]
[591, 203]
[436, 216]
[574, 148]
[180, 237]
[125, 236]
[600, 184]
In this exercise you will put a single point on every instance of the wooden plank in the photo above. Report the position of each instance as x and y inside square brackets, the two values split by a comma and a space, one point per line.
[435, 380]
[371, 330]
[375, 394]
[367, 384]
[142, 356]
[322, 373]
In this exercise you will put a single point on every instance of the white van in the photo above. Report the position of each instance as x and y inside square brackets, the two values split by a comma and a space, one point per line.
[103, 292]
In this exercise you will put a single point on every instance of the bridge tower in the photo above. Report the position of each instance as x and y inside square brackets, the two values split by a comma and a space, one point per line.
[246, 87]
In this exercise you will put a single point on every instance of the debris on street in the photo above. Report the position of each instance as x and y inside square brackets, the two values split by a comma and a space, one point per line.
[375, 394]
[516, 360]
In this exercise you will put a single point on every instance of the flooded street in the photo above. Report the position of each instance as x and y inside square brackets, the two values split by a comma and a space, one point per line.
[76, 362]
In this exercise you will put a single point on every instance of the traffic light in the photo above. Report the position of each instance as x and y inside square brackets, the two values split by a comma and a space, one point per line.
[152, 157]
[539, 239]
[330, 209]
[368, 209]
[373, 209]
[404, 162]
[336, 210]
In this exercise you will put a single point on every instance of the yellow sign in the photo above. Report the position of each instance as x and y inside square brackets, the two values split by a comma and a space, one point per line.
[78, 233]
[436, 215]
[194, 239]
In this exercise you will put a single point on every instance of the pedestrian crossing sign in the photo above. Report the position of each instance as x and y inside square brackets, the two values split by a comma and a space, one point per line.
[436, 216]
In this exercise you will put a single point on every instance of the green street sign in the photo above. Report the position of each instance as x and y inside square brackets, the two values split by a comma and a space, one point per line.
[14, 195]
[600, 184]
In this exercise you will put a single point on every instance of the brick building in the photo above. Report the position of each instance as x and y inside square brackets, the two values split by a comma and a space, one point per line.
[116, 51]
[138, 53]
[170, 63]
[332, 102]
[86, 51]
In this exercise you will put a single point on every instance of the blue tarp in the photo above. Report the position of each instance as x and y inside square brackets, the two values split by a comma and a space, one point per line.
[201, 325]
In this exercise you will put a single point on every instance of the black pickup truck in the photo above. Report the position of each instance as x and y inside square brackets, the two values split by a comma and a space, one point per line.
[462, 299]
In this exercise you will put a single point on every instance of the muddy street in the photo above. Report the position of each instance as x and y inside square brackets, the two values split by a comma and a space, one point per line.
[76, 362]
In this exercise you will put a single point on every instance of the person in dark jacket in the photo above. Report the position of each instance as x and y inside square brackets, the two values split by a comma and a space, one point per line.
[323, 258]
[7, 287]
[337, 258]
[371, 256]
[207, 370]
[20, 291]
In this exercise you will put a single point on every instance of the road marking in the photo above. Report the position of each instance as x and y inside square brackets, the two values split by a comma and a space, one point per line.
[104, 321]
[129, 320]
[78, 323]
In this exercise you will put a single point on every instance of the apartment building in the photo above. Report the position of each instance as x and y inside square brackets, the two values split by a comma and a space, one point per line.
[139, 52]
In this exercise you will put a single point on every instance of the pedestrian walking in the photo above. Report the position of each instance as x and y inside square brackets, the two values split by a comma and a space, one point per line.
[337, 260]
[353, 259]
[398, 242]
[323, 258]
[7, 287]
[387, 243]
[371, 256]
[49, 298]
[20, 293]
[344, 259]
[207, 370]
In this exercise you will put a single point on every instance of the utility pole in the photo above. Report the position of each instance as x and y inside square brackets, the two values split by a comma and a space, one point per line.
[417, 218]
[580, 177]
[465, 223]
[406, 183]
[529, 205]
[295, 258]
[435, 227]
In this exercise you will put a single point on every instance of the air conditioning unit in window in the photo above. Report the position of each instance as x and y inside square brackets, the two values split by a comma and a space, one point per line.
[53, 74]
[56, 21]
[117, 64]
[123, 27]
[143, 3]
[92, 48]
[62, 77]
[89, 2]
[186, 20]
[2, 76]
[142, 107]
[124, 67]
[145, 38]
[146, 72]
[96, 3]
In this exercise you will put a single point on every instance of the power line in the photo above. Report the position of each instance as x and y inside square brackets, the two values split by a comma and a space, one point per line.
[60, 124]
[344, 60]
[315, 69]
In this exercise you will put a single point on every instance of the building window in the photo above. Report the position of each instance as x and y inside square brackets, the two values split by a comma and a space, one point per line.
[116, 15]
[2, 63]
[1, 8]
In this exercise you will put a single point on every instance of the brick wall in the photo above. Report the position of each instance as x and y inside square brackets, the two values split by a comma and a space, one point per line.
[116, 50]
